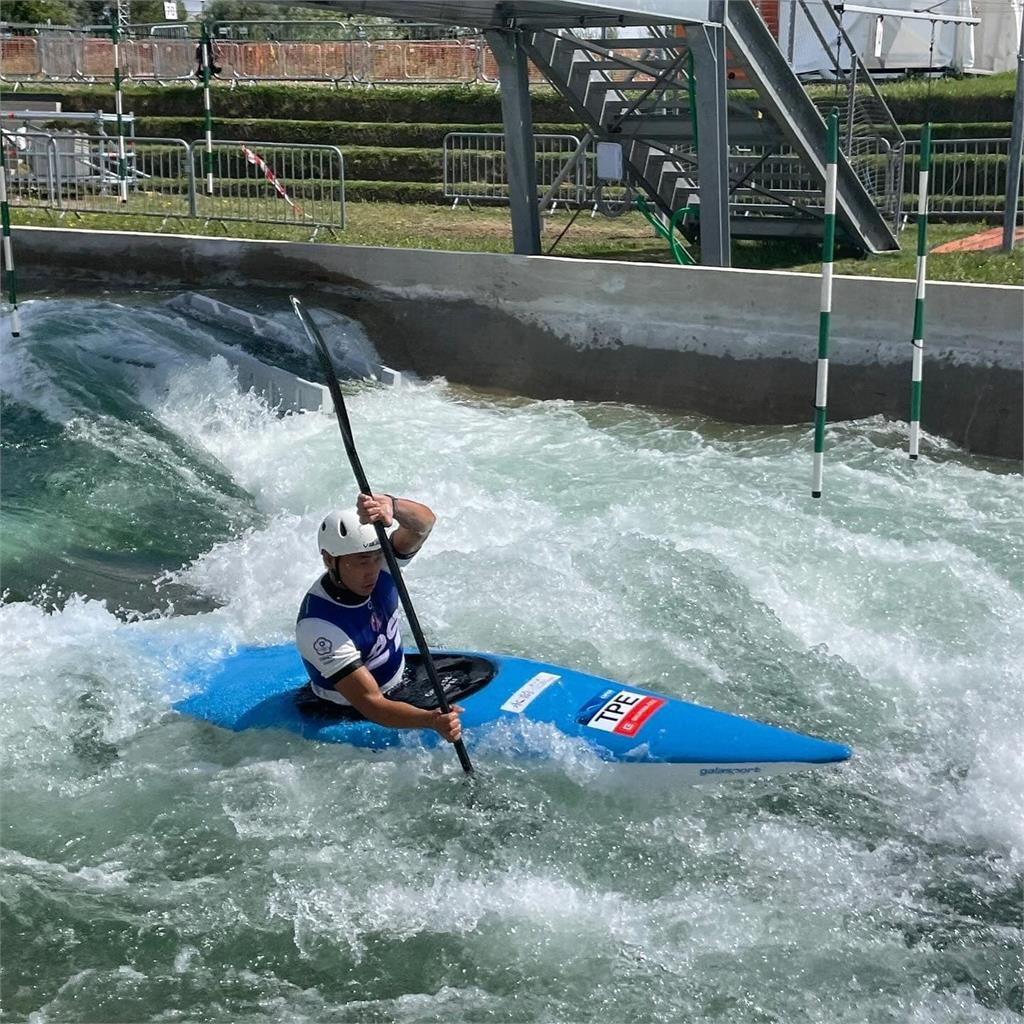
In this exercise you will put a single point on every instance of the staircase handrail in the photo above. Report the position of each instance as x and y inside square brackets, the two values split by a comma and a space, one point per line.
[861, 74]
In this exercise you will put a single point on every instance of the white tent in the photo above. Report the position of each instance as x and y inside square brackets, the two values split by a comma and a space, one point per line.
[905, 34]
[997, 37]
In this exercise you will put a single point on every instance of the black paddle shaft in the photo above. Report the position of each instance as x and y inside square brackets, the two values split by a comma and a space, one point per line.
[314, 335]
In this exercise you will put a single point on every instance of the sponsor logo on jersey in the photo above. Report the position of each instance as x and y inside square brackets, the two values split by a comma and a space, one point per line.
[623, 712]
[322, 645]
[532, 688]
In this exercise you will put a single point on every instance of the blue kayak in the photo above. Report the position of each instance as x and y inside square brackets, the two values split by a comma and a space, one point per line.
[266, 688]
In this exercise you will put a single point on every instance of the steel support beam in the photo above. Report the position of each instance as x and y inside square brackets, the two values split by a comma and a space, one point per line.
[520, 160]
[1016, 150]
[707, 44]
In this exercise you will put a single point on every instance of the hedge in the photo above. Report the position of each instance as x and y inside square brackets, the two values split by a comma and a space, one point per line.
[436, 104]
[328, 133]
[980, 99]
[395, 192]
[991, 170]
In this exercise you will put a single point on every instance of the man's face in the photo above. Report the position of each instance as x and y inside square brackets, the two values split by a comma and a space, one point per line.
[359, 572]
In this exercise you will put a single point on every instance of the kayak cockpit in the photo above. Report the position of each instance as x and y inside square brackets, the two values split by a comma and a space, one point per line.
[461, 675]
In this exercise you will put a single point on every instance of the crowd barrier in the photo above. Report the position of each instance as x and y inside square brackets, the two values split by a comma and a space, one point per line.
[77, 57]
[475, 170]
[256, 182]
[71, 172]
[967, 177]
[271, 183]
[282, 183]
[267, 50]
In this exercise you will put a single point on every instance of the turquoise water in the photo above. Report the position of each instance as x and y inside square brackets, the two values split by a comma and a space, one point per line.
[155, 868]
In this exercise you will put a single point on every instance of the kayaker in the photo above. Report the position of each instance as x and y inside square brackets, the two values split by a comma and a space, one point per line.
[348, 629]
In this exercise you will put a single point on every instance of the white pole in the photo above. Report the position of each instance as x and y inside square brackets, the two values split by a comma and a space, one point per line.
[205, 45]
[8, 251]
[917, 364]
[828, 245]
[122, 158]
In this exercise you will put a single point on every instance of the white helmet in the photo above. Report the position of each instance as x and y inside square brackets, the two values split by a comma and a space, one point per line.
[341, 533]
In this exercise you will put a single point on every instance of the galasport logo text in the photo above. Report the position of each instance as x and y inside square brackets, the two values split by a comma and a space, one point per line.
[625, 713]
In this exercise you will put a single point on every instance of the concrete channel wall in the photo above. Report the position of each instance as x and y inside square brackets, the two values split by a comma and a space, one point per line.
[735, 344]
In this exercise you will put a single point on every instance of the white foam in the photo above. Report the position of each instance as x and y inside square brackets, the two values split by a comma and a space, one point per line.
[676, 554]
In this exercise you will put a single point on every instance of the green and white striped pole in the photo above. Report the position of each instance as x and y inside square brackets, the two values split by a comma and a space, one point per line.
[5, 220]
[204, 50]
[917, 365]
[122, 161]
[828, 246]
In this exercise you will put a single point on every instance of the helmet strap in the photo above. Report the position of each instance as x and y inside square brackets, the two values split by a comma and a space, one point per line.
[333, 571]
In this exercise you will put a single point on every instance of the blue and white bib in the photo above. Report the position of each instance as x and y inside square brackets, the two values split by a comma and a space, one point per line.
[335, 638]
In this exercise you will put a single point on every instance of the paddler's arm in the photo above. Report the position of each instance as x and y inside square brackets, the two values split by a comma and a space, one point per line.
[360, 689]
[415, 520]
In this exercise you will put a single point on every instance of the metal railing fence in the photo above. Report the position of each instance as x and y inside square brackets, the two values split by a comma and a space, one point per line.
[271, 183]
[257, 182]
[488, 68]
[72, 172]
[73, 56]
[168, 54]
[32, 167]
[327, 50]
[475, 170]
[879, 165]
[967, 178]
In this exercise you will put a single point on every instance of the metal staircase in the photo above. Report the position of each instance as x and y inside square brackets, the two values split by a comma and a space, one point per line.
[640, 90]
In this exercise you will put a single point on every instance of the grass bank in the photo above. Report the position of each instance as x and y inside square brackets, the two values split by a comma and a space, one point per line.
[625, 238]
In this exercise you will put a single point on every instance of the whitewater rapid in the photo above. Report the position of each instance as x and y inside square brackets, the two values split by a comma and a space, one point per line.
[156, 868]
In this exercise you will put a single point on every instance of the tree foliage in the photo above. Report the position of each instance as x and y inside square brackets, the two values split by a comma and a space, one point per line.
[266, 21]
[291, 21]
[39, 12]
[79, 13]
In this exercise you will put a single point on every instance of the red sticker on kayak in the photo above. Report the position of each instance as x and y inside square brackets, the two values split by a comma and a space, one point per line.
[624, 713]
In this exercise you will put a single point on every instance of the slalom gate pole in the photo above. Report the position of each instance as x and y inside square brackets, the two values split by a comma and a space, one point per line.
[917, 365]
[205, 48]
[122, 161]
[5, 220]
[828, 245]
